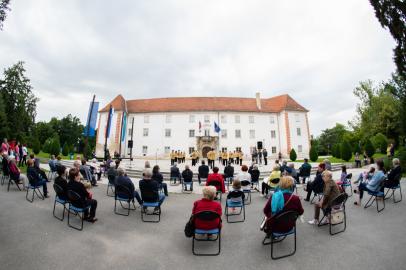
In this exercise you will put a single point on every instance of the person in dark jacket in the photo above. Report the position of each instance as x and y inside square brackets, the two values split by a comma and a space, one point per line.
[35, 178]
[61, 181]
[394, 175]
[265, 154]
[304, 170]
[317, 185]
[150, 188]
[203, 172]
[175, 173]
[229, 172]
[187, 176]
[157, 176]
[254, 174]
[37, 167]
[123, 180]
[85, 197]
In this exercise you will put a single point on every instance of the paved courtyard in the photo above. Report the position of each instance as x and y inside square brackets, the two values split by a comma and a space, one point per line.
[31, 238]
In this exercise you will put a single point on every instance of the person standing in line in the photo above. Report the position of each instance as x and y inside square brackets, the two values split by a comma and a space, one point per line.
[265, 154]
[260, 156]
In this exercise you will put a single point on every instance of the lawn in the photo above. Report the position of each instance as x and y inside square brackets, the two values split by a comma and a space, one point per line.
[338, 160]
[46, 156]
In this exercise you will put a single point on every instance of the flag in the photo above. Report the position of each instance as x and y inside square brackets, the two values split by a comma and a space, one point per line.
[216, 127]
[92, 118]
[109, 119]
[123, 129]
[200, 126]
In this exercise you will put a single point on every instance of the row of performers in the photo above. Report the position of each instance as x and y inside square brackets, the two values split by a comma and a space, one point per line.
[223, 157]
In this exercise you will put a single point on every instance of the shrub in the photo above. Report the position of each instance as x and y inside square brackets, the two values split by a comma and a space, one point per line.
[401, 155]
[380, 142]
[346, 152]
[313, 154]
[47, 146]
[369, 148]
[356, 149]
[293, 155]
[36, 146]
[65, 150]
[55, 147]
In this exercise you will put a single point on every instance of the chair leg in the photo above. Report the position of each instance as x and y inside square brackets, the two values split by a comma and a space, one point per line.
[63, 213]
[377, 208]
[26, 196]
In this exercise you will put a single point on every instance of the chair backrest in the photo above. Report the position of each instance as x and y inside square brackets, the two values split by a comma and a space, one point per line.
[58, 189]
[285, 219]
[112, 179]
[123, 192]
[207, 216]
[349, 176]
[75, 198]
[275, 181]
[339, 200]
[83, 173]
[148, 194]
[236, 194]
[215, 183]
[245, 183]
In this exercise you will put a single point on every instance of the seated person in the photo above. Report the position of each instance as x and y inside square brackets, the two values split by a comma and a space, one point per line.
[366, 175]
[372, 185]
[187, 176]
[150, 189]
[293, 173]
[393, 175]
[95, 168]
[207, 204]
[15, 173]
[236, 195]
[37, 167]
[112, 171]
[52, 163]
[157, 176]
[272, 182]
[330, 192]
[244, 177]
[343, 176]
[254, 174]
[317, 184]
[216, 177]
[175, 173]
[229, 172]
[86, 173]
[304, 170]
[35, 178]
[61, 181]
[75, 185]
[284, 166]
[123, 180]
[281, 201]
[203, 171]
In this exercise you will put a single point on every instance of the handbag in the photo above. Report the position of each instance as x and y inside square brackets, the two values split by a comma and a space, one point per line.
[336, 216]
[264, 224]
[190, 228]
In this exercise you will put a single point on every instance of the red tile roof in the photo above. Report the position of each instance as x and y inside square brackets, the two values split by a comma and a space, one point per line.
[187, 104]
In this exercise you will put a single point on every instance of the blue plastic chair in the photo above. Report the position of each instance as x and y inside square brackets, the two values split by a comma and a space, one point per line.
[398, 177]
[247, 191]
[123, 195]
[235, 204]
[347, 183]
[145, 205]
[373, 197]
[59, 190]
[35, 191]
[74, 198]
[207, 216]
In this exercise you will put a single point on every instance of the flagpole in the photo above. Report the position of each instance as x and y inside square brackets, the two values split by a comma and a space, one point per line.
[218, 133]
[107, 131]
[88, 124]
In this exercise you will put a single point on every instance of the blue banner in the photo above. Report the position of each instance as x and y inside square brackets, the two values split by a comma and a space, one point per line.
[92, 119]
[123, 128]
[216, 127]
[110, 118]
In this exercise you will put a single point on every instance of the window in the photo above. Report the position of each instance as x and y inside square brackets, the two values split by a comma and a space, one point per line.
[238, 133]
[272, 119]
[191, 118]
[238, 149]
[297, 117]
[299, 132]
[145, 150]
[191, 150]
[224, 149]
[237, 119]
[167, 132]
[224, 133]
[168, 118]
[145, 132]
[146, 119]
[251, 119]
[273, 134]
[191, 133]
[299, 148]
[207, 118]
[273, 150]
[207, 132]
[224, 119]
[167, 149]
[252, 134]
[130, 131]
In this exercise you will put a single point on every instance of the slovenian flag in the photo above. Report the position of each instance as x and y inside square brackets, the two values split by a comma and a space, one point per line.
[216, 127]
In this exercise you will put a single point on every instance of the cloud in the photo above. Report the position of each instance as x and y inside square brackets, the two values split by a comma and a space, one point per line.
[316, 51]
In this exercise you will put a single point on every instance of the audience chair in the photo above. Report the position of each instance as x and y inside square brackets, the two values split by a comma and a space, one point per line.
[335, 213]
[247, 191]
[123, 195]
[348, 183]
[110, 185]
[59, 190]
[173, 181]
[17, 182]
[145, 205]
[374, 197]
[398, 177]
[74, 199]
[206, 235]
[240, 205]
[217, 185]
[35, 190]
[227, 182]
[52, 171]
[185, 186]
[203, 181]
[319, 196]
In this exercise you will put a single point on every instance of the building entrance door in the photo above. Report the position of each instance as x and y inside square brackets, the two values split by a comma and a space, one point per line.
[205, 150]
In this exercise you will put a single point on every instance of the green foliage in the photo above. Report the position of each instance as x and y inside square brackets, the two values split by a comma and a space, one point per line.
[313, 154]
[330, 137]
[369, 148]
[401, 155]
[4, 131]
[346, 152]
[65, 150]
[293, 155]
[380, 142]
[55, 146]
[46, 147]
[336, 150]
[36, 146]
[3, 8]
[356, 149]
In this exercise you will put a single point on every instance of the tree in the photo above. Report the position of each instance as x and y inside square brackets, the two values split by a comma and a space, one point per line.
[3, 9]
[65, 150]
[293, 155]
[313, 153]
[392, 15]
[346, 152]
[36, 146]
[55, 146]
[380, 142]
[46, 147]
[369, 148]
[4, 131]
[19, 101]
[356, 149]
[401, 155]
[43, 131]
[331, 136]
[336, 151]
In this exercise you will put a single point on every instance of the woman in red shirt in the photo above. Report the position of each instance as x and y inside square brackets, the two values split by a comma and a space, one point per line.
[216, 177]
[207, 204]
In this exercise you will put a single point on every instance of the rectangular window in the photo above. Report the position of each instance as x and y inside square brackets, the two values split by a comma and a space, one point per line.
[272, 119]
[273, 149]
[145, 150]
[168, 119]
[252, 134]
[146, 119]
[191, 118]
[207, 132]
[224, 119]
[191, 133]
[167, 149]
[167, 132]
[191, 150]
[238, 133]
[145, 132]
[224, 133]
[299, 132]
[299, 149]
[207, 118]
[251, 119]
[237, 119]
[238, 149]
[297, 117]
[273, 134]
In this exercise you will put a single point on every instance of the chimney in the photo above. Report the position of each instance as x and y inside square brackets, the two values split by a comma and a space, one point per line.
[258, 99]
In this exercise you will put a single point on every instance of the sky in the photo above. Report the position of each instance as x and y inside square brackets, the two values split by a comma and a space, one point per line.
[316, 51]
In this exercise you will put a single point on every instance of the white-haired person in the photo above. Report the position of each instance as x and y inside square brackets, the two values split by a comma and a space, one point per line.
[150, 188]
[393, 175]
[330, 192]
[207, 203]
[373, 184]
[15, 172]
[123, 180]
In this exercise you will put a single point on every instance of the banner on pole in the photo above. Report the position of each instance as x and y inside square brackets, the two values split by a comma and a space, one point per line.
[90, 129]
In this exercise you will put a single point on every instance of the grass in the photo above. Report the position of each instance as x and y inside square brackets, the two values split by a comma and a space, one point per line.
[41, 155]
[338, 160]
